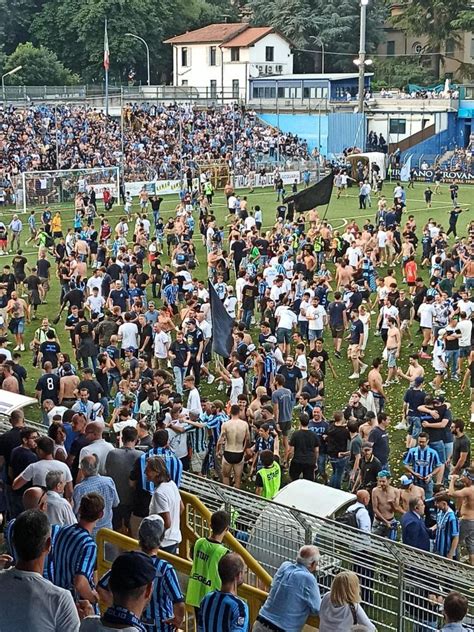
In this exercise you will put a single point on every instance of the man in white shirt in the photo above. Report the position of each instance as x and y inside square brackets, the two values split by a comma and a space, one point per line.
[426, 315]
[354, 255]
[231, 201]
[95, 302]
[317, 319]
[36, 472]
[58, 509]
[465, 327]
[95, 282]
[161, 344]
[98, 446]
[286, 322]
[128, 333]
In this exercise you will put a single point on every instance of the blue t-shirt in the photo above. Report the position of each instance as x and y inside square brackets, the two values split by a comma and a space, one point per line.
[357, 330]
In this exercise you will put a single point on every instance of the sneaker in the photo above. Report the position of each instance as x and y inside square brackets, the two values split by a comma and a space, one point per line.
[424, 356]
[337, 354]
[220, 387]
[22, 347]
[432, 385]
[387, 383]
[210, 378]
[377, 333]
[17, 348]
[456, 378]
[363, 368]
[401, 426]
[439, 391]
[354, 376]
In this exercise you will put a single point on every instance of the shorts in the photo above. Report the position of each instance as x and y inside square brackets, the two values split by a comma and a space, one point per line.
[3, 243]
[283, 335]
[337, 332]
[464, 352]
[414, 427]
[466, 534]
[233, 458]
[44, 283]
[405, 324]
[197, 462]
[391, 358]
[285, 427]
[17, 325]
[314, 334]
[353, 352]
[440, 371]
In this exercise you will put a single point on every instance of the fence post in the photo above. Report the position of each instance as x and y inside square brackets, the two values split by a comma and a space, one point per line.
[401, 596]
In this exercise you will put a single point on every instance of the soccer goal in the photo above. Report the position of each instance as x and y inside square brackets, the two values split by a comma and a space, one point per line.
[59, 188]
[217, 172]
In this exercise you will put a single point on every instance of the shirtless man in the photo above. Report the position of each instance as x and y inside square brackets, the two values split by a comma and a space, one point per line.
[409, 491]
[344, 274]
[385, 502]
[465, 498]
[389, 278]
[68, 384]
[366, 428]
[414, 370]
[375, 380]
[18, 310]
[394, 342]
[232, 442]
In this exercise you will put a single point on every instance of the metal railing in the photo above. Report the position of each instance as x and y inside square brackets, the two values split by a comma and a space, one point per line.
[401, 586]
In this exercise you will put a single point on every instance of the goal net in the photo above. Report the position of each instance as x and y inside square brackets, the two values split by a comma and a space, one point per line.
[217, 172]
[59, 188]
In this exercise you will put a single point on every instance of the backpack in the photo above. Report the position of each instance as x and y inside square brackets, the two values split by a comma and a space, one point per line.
[349, 518]
[48, 241]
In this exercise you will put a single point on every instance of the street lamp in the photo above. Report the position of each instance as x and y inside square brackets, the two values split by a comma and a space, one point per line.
[147, 55]
[10, 72]
[363, 20]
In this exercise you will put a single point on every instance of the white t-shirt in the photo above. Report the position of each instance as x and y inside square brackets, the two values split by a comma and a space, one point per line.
[129, 334]
[96, 303]
[178, 440]
[237, 388]
[464, 306]
[304, 305]
[194, 401]
[94, 624]
[160, 340]
[465, 327]
[302, 364]
[425, 312]
[353, 254]
[230, 304]
[316, 317]
[388, 312]
[31, 603]
[36, 472]
[439, 355]
[166, 498]
[95, 282]
[285, 317]
[381, 239]
[231, 202]
[100, 448]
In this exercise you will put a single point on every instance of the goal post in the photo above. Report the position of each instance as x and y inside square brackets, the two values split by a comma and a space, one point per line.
[36, 189]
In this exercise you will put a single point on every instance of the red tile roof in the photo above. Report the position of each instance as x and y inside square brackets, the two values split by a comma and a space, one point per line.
[212, 33]
[249, 36]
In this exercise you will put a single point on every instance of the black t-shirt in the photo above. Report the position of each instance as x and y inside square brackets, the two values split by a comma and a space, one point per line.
[9, 281]
[337, 440]
[48, 385]
[19, 262]
[238, 248]
[336, 311]
[50, 350]
[304, 442]
[322, 357]
[103, 380]
[21, 375]
[79, 442]
[357, 329]
[414, 398]
[94, 388]
[381, 447]
[194, 339]
[114, 271]
[452, 345]
[8, 441]
[461, 444]
[75, 298]
[404, 308]
[141, 498]
[146, 332]
[180, 350]
[291, 376]
[32, 282]
[43, 266]
[84, 330]
[249, 294]
[368, 471]
[20, 459]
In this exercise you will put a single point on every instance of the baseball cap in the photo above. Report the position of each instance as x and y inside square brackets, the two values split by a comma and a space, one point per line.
[151, 530]
[131, 570]
[251, 348]
[441, 332]
[418, 380]
[132, 349]
[406, 480]
[272, 340]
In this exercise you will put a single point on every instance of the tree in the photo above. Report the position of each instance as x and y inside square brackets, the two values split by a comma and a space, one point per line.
[397, 73]
[439, 21]
[40, 66]
[334, 22]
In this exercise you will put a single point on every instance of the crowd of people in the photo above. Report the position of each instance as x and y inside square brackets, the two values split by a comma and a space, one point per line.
[153, 142]
[135, 396]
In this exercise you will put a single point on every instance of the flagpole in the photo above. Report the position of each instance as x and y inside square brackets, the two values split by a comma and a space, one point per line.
[106, 67]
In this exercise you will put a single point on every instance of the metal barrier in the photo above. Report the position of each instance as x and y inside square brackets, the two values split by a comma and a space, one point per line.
[402, 587]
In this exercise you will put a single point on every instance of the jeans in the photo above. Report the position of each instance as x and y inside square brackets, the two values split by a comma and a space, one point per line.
[322, 460]
[438, 447]
[427, 486]
[179, 373]
[338, 466]
[303, 327]
[85, 362]
[452, 358]
[414, 427]
[247, 317]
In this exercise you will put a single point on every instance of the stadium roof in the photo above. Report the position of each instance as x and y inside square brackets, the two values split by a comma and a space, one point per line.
[227, 35]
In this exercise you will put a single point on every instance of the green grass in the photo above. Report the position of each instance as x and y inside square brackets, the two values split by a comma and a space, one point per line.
[337, 390]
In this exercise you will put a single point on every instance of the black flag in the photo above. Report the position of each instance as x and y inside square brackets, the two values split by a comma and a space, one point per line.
[222, 324]
[318, 194]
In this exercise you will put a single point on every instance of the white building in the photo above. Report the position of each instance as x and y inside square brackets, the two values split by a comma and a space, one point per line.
[218, 59]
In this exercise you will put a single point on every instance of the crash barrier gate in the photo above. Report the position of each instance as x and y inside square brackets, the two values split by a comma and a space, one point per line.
[402, 588]
[195, 521]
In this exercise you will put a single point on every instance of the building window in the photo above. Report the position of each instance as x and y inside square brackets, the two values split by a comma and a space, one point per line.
[212, 56]
[450, 46]
[235, 54]
[417, 48]
[213, 86]
[391, 47]
[235, 89]
[184, 82]
[184, 56]
[269, 53]
[397, 126]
